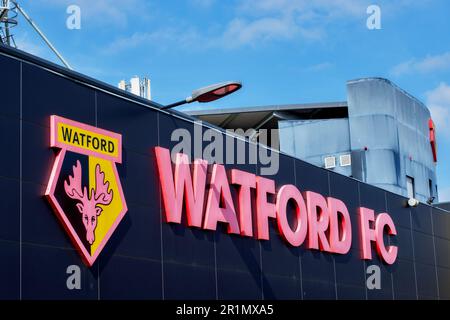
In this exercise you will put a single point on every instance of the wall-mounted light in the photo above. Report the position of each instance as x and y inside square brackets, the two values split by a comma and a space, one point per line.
[413, 202]
[431, 200]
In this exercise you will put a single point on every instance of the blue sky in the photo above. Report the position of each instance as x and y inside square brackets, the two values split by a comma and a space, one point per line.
[284, 51]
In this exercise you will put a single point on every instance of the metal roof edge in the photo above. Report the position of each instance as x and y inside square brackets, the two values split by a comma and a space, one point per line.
[267, 108]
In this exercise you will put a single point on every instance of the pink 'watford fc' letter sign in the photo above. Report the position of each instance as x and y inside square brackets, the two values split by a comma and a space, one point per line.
[321, 223]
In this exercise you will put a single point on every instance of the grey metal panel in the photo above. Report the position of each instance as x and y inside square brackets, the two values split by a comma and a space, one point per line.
[382, 166]
[377, 131]
[269, 108]
[393, 125]
[313, 140]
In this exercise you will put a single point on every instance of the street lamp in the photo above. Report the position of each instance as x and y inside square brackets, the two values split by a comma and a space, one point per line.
[209, 93]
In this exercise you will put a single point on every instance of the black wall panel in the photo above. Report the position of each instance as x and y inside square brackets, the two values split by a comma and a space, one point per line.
[147, 258]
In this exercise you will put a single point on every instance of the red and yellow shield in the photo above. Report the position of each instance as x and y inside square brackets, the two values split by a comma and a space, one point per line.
[84, 187]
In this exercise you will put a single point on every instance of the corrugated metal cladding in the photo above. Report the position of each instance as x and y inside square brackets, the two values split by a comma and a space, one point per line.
[394, 127]
[147, 258]
[386, 132]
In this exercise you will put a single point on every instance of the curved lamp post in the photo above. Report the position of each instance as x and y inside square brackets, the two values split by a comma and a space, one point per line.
[209, 93]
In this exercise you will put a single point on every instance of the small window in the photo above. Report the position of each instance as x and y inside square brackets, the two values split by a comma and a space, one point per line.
[430, 187]
[410, 187]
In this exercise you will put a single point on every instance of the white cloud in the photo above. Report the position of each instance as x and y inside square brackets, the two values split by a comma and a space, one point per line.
[262, 20]
[110, 12]
[306, 8]
[181, 38]
[28, 46]
[320, 67]
[255, 22]
[241, 31]
[430, 63]
[33, 45]
[438, 101]
[203, 3]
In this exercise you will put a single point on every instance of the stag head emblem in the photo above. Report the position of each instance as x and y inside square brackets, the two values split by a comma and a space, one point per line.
[88, 204]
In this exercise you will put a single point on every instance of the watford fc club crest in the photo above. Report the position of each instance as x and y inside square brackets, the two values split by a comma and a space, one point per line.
[84, 187]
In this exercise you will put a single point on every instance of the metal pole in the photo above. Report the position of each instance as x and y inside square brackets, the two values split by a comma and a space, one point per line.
[4, 17]
[173, 105]
[31, 22]
[7, 35]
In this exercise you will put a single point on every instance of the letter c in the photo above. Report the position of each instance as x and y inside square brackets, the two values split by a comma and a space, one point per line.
[389, 253]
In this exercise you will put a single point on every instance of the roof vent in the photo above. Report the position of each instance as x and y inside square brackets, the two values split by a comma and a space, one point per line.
[330, 162]
[345, 160]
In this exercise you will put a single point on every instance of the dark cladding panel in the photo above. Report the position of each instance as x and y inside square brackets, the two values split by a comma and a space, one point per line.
[45, 274]
[441, 223]
[386, 282]
[318, 290]
[187, 246]
[10, 103]
[318, 276]
[147, 258]
[372, 198]
[167, 124]
[426, 281]
[10, 210]
[10, 270]
[280, 260]
[444, 283]
[281, 288]
[398, 210]
[404, 242]
[10, 141]
[350, 272]
[40, 224]
[238, 263]
[349, 292]
[401, 216]
[36, 153]
[139, 178]
[346, 190]
[421, 219]
[189, 282]
[423, 248]
[311, 178]
[138, 235]
[404, 280]
[130, 279]
[284, 175]
[238, 284]
[238, 258]
[376, 199]
[45, 94]
[442, 252]
[185, 249]
[140, 123]
[317, 268]
[281, 270]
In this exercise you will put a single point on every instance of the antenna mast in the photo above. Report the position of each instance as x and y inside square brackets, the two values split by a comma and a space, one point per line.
[8, 19]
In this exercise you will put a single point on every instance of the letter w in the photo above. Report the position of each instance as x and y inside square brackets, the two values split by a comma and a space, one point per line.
[180, 186]
[67, 134]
